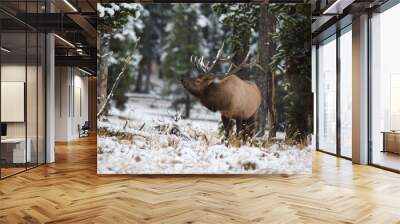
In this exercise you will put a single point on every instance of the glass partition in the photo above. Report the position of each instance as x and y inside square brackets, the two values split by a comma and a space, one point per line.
[13, 94]
[22, 77]
[327, 95]
[32, 96]
[385, 89]
[41, 96]
[346, 92]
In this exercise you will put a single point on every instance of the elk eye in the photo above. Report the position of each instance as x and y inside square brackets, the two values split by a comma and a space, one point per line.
[197, 82]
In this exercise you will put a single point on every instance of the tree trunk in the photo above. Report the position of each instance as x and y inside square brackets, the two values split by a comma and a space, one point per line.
[267, 50]
[263, 111]
[187, 106]
[139, 79]
[272, 109]
[102, 88]
[103, 107]
[148, 75]
[263, 75]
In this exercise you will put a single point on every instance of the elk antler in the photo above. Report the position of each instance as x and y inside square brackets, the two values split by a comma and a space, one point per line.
[217, 58]
[196, 62]
[235, 68]
[206, 67]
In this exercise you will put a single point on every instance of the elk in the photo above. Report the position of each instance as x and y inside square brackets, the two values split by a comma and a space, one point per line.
[236, 99]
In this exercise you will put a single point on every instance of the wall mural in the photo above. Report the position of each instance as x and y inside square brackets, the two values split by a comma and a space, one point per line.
[204, 88]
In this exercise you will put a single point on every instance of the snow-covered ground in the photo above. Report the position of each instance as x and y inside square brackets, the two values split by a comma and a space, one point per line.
[146, 138]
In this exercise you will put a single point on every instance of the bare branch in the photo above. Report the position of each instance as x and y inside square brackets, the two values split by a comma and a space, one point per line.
[119, 77]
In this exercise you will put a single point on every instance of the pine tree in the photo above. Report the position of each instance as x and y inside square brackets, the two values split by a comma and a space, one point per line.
[183, 40]
[242, 21]
[214, 34]
[152, 40]
[293, 60]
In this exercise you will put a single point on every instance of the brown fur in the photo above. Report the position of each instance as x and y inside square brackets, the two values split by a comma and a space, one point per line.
[233, 97]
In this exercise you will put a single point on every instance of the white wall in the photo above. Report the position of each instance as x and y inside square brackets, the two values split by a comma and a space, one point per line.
[71, 102]
[61, 103]
[80, 110]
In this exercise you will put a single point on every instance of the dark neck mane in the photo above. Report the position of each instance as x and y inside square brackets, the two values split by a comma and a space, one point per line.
[214, 98]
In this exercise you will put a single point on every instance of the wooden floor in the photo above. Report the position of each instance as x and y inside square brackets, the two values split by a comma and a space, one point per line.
[5, 172]
[387, 159]
[70, 191]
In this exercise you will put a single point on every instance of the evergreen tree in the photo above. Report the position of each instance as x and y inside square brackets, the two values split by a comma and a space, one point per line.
[293, 60]
[151, 44]
[266, 78]
[242, 21]
[214, 34]
[183, 40]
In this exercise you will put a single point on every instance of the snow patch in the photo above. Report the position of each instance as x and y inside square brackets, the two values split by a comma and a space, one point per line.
[148, 139]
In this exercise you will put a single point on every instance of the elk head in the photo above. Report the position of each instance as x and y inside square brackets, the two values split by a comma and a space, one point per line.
[196, 86]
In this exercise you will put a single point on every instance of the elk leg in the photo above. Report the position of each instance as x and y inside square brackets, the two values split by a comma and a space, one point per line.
[228, 124]
[250, 127]
[239, 127]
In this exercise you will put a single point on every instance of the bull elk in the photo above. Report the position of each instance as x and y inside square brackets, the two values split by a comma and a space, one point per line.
[234, 98]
